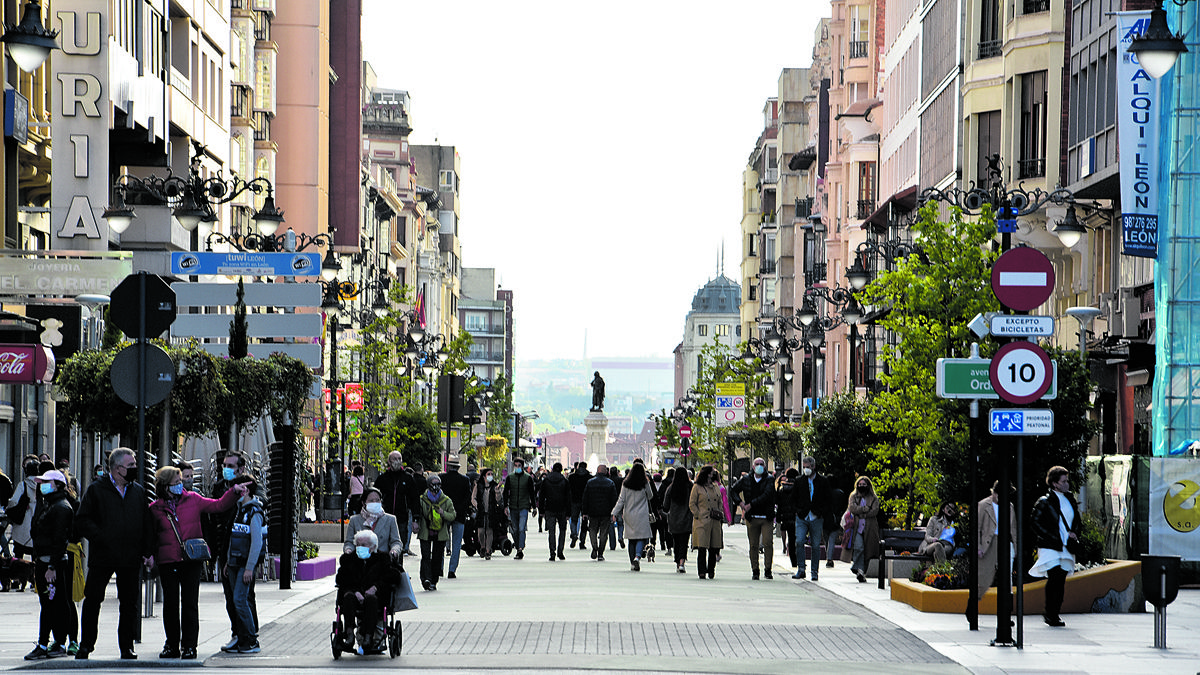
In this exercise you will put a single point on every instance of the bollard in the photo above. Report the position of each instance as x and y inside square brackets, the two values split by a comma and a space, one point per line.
[1160, 585]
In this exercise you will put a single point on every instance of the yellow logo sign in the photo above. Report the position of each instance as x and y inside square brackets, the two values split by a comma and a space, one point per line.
[731, 389]
[1181, 506]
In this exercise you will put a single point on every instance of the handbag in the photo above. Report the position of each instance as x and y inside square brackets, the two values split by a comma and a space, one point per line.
[193, 549]
[1072, 545]
[403, 599]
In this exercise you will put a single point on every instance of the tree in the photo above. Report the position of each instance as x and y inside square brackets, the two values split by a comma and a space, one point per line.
[931, 297]
[720, 364]
[238, 342]
[839, 438]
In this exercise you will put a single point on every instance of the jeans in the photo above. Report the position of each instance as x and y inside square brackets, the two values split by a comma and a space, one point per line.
[598, 529]
[576, 510]
[517, 524]
[456, 536]
[242, 598]
[405, 524]
[231, 605]
[557, 521]
[181, 596]
[860, 554]
[616, 531]
[127, 609]
[831, 542]
[761, 530]
[812, 530]
[635, 548]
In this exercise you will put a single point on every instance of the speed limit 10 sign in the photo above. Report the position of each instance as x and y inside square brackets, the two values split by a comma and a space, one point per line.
[1021, 372]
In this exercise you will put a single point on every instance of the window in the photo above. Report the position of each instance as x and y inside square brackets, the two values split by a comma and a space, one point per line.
[447, 182]
[721, 330]
[866, 190]
[989, 29]
[475, 322]
[702, 329]
[752, 247]
[988, 124]
[752, 288]
[859, 29]
[1033, 125]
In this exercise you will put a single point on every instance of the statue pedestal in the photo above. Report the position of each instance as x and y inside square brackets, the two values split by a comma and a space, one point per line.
[596, 450]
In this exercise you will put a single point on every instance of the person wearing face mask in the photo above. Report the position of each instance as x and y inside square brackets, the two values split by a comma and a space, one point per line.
[399, 493]
[458, 489]
[247, 551]
[863, 507]
[518, 500]
[810, 496]
[365, 579]
[755, 494]
[436, 517]
[176, 518]
[21, 508]
[216, 533]
[374, 518]
[187, 474]
[53, 569]
[487, 501]
[114, 518]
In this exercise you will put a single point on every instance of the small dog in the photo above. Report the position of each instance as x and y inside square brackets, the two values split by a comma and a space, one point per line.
[15, 574]
[648, 552]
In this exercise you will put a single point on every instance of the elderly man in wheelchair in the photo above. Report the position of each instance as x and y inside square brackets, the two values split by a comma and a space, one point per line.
[365, 579]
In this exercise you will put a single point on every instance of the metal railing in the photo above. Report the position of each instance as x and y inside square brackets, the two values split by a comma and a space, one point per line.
[865, 208]
[990, 48]
[858, 49]
[262, 125]
[766, 267]
[815, 273]
[771, 176]
[262, 26]
[1031, 168]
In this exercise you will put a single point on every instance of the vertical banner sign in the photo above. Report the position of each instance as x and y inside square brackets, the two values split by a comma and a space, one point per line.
[1175, 507]
[1137, 133]
[79, 184]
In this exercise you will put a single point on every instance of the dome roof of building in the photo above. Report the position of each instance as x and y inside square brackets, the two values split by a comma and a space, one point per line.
[719, 296]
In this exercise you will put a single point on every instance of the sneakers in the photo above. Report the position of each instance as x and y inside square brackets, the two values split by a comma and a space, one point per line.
[56, 650]
[250, 649]
[520, 554]
[169, 652]
[600, 558]
[451, 576]
[800, 574]
[39, 653]
[73, 648]
[829, 563]
[679, 568]
[862, 579]
[637, 566]
[230, 646]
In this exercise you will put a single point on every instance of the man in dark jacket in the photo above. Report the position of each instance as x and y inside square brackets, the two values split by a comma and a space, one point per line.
[458, 489]
[577, 482]
[554, 500]
[518, 500]
[599, 498]
[114, 518]
[399, 495]
[810, 495]
[756, 495]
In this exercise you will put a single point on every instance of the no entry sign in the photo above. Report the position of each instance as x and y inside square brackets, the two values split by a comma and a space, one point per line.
[1022, 278]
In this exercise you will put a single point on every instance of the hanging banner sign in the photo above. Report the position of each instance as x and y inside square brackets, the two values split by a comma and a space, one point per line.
[1138, 105]
[354, 396]
[25, 364]
[249, 263]
[1175, 507]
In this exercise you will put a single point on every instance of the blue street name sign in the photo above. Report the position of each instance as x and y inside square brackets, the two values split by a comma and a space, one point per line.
[248, 264]
[1021, 422]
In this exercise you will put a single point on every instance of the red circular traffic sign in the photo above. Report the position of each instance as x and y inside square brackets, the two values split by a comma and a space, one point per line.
[1021, 372]
[685, 431]
[663, 441]
[1023, 278]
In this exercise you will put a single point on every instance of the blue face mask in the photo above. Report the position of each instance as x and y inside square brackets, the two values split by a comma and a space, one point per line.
[759, 469]
[228, 473]
[363, 552]
[175, 489]
[518, 470]
[46, 488]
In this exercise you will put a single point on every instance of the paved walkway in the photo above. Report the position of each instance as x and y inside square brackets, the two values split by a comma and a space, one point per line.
[533, 615]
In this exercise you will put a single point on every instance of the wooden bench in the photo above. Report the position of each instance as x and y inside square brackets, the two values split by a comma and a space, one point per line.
[895, 542]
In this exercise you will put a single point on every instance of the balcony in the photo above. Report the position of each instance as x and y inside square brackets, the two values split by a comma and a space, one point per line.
[1031, 168]
[865, 208]
[815, 273]
[804, 207]
[770, 176]
[1035, 6]
[766, 267]
[858, 49]
[240, 109]
[386, 118]
[262, 27]
[990, 48]
[262, 125]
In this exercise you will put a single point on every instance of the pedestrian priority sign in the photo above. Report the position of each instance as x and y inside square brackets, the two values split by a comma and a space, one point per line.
[1021, 422]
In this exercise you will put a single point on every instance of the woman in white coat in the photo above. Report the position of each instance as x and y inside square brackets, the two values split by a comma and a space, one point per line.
[634, 508]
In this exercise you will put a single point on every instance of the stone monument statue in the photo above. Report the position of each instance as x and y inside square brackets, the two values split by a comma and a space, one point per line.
[597, 393]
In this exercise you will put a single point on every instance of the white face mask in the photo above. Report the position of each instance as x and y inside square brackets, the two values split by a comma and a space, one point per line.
[374, 508]
[489, 479]
[807, 471]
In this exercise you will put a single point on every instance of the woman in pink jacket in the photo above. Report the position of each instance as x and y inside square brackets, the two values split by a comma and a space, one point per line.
[176, 518]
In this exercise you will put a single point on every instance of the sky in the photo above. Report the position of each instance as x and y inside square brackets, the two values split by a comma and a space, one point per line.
[602, 146]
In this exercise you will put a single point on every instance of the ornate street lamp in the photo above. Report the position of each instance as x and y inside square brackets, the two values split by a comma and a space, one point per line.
[30, 42]
[1158, 48]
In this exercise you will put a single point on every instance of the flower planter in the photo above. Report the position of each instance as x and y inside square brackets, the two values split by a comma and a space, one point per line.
[1106, 588]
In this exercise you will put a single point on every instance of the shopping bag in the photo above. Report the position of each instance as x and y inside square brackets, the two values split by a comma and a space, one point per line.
[403, 599]
[78, 576]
